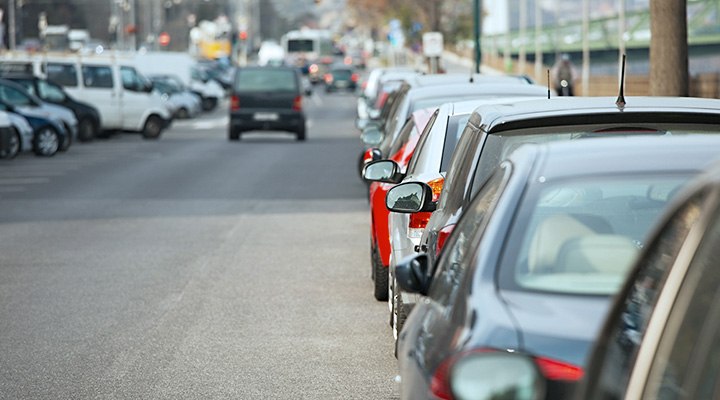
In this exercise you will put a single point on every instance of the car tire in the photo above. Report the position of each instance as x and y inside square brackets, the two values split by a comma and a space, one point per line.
[67, 142]
[209, 103]
[380, 278]
[14, 150]
[233, 135]
[300, 134]
[183, 113]
[153, 128]
[87, 129]
[46, 142]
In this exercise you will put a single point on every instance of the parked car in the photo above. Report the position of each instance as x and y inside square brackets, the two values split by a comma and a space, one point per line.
[29, 105]
[492, 130]
[123, 96]
[536, 258]
[341, 77]
[660, 340]
[87, 115]
[267, 99]
[47, 133]
[21, 134]
[6, 134]
[183, 103]
[419, 98]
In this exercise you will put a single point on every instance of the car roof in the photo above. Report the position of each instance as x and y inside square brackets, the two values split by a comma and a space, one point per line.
[564, 111]
[482, 89]
[619, 155]
[442, 79]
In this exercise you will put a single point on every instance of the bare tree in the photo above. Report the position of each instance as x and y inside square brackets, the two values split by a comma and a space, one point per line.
[668, 48]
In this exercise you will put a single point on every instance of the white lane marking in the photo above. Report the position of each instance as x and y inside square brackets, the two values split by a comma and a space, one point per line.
[309, 123]
[23, 181]
[212, 123]
[12, 189]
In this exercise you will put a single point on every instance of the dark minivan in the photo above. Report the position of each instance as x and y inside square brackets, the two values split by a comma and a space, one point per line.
[267, 99]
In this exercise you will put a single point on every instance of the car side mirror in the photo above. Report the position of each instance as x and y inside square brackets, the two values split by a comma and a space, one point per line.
[487, 375]
[372, 135]
[386, 171]
[413, 274]
[410, 197]
[149, 86]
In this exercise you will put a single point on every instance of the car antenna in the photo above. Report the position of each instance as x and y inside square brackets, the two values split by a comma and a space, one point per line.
[548, 82]
[620, 102]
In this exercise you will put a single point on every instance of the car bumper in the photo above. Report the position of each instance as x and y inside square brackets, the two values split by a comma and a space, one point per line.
[267, 120]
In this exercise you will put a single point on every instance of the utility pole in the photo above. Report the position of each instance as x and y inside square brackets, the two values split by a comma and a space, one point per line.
[477, 14]
[586, 48]
[11, 24]
[522, 58]
[668, 48]
[538, 49]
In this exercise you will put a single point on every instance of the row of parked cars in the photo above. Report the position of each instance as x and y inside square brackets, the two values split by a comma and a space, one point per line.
[54, 100]
[540, 247]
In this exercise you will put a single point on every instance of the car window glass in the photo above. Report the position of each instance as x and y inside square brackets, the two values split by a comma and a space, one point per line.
[266, 80]
[686, 364]
[580, 235]
[454, 262]
[460, 166]
[14, 97]
[402, 137]
[455, 128]
[422, 143]
[130, 79]
[97, 76]
[623, 338]
[27, 85]
[50, 92]
[63, 74]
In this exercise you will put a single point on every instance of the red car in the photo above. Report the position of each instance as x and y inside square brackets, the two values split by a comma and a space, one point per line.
[400, 152]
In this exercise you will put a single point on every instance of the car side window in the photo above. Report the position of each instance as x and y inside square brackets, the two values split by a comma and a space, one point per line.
[686, 364]
[14, 97]
[460, 166]
[402, 137]
[63, 74]
[422, 142]
[50, 92]
[97, 76]
[621, 342]
[454, 262]
[130, 79]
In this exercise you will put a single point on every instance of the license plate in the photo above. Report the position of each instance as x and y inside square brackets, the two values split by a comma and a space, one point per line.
[265, 116]
[342, 84]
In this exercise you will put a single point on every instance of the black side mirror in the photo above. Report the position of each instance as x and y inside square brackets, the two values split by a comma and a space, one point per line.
[386, 171]
[410, 197]
[413, 274]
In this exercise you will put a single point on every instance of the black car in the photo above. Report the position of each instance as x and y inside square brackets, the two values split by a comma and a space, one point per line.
[266, 99]
[88, 116]
[536, 258]
[341, 77]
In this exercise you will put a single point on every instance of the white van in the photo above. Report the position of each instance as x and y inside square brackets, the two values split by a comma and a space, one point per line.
[111, 83]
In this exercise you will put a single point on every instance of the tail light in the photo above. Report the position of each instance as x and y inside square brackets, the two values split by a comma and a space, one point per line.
[418, 222]
[297, 103]
[328, 78]
[354, 77]
[442, 237]
[551, 369]
[234, 103]
[313, 68]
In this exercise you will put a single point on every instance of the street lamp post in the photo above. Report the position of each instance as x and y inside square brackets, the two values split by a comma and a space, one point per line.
[477, 14]
[11, 24]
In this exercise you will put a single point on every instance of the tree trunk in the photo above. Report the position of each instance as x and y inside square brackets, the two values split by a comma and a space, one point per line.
[668, 48]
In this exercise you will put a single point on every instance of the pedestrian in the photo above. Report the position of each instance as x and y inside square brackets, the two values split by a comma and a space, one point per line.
[564, 75]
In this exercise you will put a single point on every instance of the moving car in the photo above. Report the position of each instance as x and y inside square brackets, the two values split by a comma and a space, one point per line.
[183, 103]
[267, 99]
[341, 77]
[533, 264]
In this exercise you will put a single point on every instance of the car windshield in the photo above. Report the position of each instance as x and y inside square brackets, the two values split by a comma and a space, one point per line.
[264, 80]
[580, 236]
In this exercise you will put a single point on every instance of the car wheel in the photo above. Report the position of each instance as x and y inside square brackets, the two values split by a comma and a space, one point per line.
[46, 142]
[67, 140]
[208, 103]
[86, 130]
[233, 135]
[380, 275]
[183, 113]
[300, 134]
[153, 127]
[13, 146]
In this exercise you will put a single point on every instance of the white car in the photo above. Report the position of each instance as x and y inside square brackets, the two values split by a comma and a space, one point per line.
[181, 102]
[21, 133]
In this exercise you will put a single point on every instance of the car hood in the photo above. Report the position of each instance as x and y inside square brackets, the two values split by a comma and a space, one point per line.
[19, 122]
[562, 327]
[60, 112]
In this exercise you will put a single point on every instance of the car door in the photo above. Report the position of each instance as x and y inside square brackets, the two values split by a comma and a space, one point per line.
[432, 327]
[135, 98]
[101, 89]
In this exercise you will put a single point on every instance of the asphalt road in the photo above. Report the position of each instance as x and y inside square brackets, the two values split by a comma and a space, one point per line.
[192, 267]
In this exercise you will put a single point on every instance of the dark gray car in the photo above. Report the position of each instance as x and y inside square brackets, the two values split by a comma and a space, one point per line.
[533, 263]
[266, 99]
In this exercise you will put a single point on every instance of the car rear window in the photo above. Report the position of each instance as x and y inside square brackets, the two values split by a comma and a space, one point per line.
[266, 80]
[342, 73]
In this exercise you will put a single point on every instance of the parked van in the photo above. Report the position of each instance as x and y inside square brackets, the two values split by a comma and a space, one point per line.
[122, 95]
